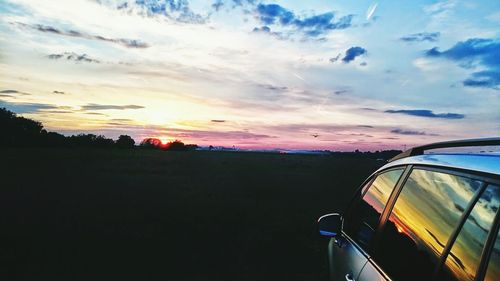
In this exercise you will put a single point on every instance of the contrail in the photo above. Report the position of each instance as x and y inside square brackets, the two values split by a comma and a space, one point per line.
[371, 11]
[298, 76]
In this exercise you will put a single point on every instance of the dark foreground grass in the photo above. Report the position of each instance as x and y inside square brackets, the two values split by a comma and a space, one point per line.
[151, 215]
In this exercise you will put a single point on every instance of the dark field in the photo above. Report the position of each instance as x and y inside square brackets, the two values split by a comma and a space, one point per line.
[154, 215]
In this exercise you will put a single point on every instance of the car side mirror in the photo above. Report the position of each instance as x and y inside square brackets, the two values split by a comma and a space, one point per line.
[330, 225]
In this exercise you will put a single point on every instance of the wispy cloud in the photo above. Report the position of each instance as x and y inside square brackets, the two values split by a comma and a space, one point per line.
[177, 10]
[11, 93]
[411, 132]
[422, 36]
[27, 107]
[129, 43]
[427, 113]
[73, 57]
[312, 26]
[93, 106]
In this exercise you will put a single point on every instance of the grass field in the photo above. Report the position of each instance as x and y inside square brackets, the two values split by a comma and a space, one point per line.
[154, 215]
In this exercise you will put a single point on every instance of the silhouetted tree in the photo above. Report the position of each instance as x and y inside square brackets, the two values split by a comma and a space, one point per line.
[125, 141]
[191, 146]
[91, 140]
[18, 131]
[176, 145]
[151, 143]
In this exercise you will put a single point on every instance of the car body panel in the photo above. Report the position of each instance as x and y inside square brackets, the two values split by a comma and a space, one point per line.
[484, 163]
[344, 258]
[371, 273]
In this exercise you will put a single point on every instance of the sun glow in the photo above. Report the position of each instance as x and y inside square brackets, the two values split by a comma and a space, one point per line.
[163, 140]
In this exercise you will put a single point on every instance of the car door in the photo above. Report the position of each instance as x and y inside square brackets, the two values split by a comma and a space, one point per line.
[421, 224]
[349, 252]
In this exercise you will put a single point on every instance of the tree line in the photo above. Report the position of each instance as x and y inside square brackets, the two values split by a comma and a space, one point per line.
[19, 131]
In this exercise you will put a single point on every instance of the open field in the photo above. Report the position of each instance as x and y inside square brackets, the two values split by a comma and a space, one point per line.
[154, 215]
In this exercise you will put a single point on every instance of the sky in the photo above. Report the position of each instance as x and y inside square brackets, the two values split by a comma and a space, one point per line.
[332, 75]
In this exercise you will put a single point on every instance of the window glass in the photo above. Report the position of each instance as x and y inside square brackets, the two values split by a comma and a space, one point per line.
[493, 270]
[425, 214]
[365, 215]
[465, 255]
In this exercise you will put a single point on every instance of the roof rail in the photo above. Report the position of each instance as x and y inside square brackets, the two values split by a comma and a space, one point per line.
[419, 150]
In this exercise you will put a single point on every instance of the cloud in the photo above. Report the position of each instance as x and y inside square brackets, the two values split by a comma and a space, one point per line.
[273, 87]
[312, 26]
[93, 106]
[177, 10]
[340, 92]
[26, 107]
[58, 92]
[422, 36]
[129, 43]
[73, 57]
[485, 52]
[267, 30]
[484, 79]
[352, 53]
[216, 135]
[217, 121]
[411, 132]
[11, 93]
[427, 113]
[217, 5]
[334, 59]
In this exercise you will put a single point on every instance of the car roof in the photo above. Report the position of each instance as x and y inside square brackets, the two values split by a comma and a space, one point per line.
[484, 163]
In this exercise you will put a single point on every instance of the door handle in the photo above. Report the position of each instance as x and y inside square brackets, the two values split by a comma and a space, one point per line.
[348, 277]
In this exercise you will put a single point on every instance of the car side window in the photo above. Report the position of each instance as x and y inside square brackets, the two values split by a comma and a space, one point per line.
[426, 212]
[463, 260]
[365, 214]
[493, 269]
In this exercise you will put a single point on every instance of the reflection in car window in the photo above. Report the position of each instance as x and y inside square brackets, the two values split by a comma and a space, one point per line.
[464, 257]
[426, 212]
[365, 216]
[493, 270]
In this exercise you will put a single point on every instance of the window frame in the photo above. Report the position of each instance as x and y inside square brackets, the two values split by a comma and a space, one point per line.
[488, 246]
[360, 193]
[485, 180]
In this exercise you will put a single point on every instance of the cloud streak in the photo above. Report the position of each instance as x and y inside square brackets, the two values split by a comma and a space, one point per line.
[422, 36]
[93, 106]
[411, 132]
[73, 57]
[129, 43]
[427, 113]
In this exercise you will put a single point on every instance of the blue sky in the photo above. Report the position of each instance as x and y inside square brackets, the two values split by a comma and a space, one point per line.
[337, 75]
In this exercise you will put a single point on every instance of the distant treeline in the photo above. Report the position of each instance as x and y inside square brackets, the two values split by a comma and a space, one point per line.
[22, 132]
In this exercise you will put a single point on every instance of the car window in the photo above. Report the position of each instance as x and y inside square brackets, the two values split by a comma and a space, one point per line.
[365, 215]
[425, 214]
[493, 269]
[465, 255]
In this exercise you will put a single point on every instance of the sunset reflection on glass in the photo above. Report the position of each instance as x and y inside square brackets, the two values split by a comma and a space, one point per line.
[365, 216]
[426, 213]
[493, 270]
[463, 261]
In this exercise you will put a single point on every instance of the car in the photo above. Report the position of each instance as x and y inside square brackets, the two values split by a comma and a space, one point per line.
[430, 213]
